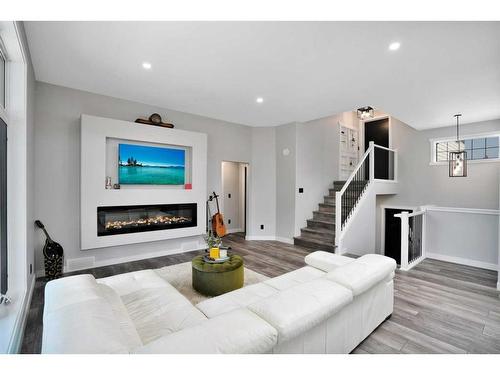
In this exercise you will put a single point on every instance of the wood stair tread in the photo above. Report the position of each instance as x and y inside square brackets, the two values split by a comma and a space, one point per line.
[324, 213]
[319, 231]
[332, 222]
[314, 243]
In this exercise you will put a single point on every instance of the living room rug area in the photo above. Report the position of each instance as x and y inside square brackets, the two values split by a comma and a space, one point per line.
[179, 276]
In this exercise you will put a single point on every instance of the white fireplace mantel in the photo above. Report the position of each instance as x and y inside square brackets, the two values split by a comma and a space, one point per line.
[94, 133]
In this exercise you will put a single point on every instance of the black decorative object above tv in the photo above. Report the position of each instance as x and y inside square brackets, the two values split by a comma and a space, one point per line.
[148, 165]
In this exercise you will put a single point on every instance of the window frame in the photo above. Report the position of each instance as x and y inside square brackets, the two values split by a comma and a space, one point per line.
[4, 255]
[3, 56]
[434, 141]
[4, 218]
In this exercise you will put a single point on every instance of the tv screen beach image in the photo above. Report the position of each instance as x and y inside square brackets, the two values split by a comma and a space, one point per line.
[145, 165]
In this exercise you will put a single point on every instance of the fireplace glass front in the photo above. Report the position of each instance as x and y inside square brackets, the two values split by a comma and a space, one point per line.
[113, 220]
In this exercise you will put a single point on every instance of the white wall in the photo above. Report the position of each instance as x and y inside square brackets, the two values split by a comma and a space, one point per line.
[460, 237]
[262, 185]
[360, 233]
[286, 139]
[231, 207]
[422, 184]
[243, 186]
[57, 164]
[317, 164]
[312, 164]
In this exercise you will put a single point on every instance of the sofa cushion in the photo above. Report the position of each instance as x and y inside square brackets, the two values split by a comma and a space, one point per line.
[326, 261]
[293, 278]
[236, 299]
[301, 307]
[131, 282]
[363, 273]
[155, 307]
[70, 290]
[79, 318]
[237, 332]
[121, 316]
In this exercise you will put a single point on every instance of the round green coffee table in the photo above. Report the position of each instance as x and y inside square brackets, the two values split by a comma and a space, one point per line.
[213, 279]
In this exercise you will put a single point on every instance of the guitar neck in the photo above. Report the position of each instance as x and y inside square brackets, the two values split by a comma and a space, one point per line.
[217, 201]
[47, 235]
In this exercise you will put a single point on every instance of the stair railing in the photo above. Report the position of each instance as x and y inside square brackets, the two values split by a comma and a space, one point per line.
[412, 238]
[347, 198]
[364, 174]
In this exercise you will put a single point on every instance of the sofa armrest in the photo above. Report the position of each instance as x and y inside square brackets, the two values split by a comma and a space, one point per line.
[364, 273]
[237, 332]
[325, 261]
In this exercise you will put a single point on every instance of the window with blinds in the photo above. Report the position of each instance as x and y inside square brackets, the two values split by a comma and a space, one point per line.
[478, 148]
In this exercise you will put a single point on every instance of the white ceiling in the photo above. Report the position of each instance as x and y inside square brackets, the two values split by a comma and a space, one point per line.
[303, 70]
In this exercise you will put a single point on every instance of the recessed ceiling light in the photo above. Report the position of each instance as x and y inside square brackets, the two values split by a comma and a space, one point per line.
[259, 100]
[146, 65]
[394, 46]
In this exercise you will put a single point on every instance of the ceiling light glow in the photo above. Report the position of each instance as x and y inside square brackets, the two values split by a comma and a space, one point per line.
[394, 46]
[146, 65]
[260, 100]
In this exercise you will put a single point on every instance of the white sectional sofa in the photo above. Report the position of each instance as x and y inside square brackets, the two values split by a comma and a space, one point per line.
[328, 306]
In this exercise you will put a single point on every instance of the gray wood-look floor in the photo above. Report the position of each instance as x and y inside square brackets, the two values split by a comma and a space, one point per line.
[439, 307]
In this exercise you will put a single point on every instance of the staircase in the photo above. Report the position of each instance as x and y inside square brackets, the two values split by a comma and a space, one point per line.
[320, 231]
[331, 225]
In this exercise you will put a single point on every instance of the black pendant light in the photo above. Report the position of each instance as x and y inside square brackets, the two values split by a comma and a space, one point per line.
[458, 159]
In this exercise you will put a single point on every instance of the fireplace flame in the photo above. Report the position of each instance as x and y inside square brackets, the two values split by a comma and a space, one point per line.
[162, 220]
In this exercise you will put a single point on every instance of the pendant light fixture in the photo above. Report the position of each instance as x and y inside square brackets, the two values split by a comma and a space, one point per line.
[458, 159]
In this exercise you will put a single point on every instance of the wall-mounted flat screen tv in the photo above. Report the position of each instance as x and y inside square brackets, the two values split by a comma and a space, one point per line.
[146, 165]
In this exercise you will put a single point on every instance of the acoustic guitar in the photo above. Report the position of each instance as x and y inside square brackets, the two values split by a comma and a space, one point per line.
[218, 226]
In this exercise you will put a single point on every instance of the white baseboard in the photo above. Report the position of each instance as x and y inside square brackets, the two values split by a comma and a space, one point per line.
[18, 333]
[464, 261]
[234, 230]
[39, 273]
[269, 238]
[260, 238]
[285, 240]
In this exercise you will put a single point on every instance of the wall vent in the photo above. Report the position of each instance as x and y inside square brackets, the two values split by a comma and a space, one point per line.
[190, 246]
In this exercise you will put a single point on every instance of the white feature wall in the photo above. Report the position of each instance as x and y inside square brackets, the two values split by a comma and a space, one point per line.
[57, 168]
[95, 132]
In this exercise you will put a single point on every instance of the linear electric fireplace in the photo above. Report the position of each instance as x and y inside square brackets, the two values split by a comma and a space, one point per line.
[144, 218]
